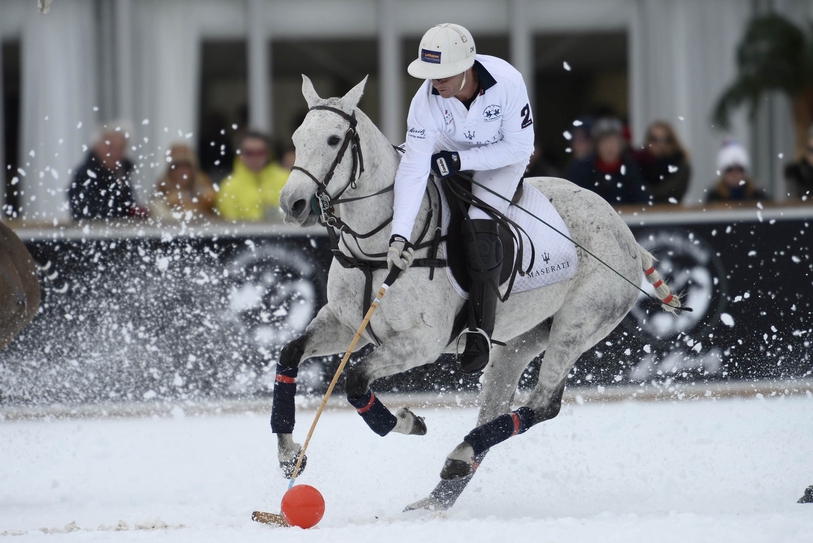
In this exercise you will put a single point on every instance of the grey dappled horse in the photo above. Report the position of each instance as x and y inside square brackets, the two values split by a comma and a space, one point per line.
[414, 321]
[19, 286]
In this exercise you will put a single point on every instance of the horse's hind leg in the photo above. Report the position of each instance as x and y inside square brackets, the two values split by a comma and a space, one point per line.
[573, 332]
[500, 380]
[324, 335]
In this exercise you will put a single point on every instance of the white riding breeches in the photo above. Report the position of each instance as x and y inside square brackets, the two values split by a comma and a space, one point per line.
[503, 181]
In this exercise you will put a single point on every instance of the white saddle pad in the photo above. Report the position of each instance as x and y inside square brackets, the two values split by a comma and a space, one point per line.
[555, 257]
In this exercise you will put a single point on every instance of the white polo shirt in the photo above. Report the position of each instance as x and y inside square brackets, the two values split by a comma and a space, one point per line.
[496, 131]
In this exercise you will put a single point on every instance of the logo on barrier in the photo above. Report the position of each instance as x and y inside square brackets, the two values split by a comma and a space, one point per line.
[272, 292]
[691, 267]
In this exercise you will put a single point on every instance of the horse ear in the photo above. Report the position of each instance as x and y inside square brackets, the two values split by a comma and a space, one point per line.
[351, 99]
[309, 92]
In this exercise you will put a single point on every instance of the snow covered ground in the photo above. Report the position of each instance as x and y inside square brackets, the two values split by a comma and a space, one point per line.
[671, 471]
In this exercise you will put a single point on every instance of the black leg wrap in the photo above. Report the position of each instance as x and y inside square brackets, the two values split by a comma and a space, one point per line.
[498, 430]
[283, 411]
[374, 413]
[447, 491]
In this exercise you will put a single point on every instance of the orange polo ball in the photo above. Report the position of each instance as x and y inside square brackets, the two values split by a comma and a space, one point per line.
[303, 506]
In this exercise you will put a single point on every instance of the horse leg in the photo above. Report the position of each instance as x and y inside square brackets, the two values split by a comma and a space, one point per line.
[324, 335]
[500, 380]
[573, 331]
[401, 352]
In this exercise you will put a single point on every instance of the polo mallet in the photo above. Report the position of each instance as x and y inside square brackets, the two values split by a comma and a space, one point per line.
[278, 519]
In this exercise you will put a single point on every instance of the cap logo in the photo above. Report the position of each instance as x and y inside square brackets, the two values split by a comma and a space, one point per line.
[432, 57]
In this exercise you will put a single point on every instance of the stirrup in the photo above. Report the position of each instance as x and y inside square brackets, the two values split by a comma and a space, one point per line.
[466, 332]
[459, 357]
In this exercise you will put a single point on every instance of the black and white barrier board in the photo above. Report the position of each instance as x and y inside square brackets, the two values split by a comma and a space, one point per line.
[185, 312]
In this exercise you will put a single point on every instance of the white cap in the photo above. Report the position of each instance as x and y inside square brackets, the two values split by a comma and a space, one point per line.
[445, 50]
[733, 154]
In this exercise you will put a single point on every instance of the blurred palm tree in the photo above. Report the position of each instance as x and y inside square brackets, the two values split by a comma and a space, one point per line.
[774, 55]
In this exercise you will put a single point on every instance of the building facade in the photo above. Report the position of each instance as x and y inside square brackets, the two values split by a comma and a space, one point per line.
[170, 67]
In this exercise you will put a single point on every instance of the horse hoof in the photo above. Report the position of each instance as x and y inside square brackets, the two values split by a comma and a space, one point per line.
[409, 423]
[288, 466]
[455, 469]
[808, 496]
[459, 464]
[430, 503]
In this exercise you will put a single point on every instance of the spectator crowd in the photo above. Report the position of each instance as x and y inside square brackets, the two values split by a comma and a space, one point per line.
[602, 159]
[102, 187]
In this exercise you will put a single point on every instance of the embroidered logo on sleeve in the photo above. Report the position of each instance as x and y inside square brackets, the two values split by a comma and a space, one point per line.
[447, 116]
[492, 113]
[416, 133]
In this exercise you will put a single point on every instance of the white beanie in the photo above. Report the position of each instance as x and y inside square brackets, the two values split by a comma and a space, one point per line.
[733, 154]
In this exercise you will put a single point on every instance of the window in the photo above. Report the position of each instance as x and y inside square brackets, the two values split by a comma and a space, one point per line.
[10, 51]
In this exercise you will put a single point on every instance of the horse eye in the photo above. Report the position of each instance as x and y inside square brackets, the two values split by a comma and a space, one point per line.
[333, 141]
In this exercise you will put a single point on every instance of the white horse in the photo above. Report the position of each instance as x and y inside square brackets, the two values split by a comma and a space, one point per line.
[343, 159]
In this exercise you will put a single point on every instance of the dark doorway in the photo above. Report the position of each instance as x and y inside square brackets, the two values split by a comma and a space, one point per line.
[594, 83]
[223, 104]
[11, 127]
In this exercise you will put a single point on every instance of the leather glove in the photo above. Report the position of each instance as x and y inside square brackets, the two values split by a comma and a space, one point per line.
[400, 254]
[445, 163]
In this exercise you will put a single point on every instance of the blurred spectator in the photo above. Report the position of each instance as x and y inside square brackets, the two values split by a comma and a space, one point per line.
[184, 192]
[610, 170]
[799, 175]
[251, 192]
[664, 164]
[101, 187]
[539, 166]
[734, 184]
[287, 158]
[581, 144]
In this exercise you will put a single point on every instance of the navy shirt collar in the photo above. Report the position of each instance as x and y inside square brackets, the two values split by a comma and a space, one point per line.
[486, 79]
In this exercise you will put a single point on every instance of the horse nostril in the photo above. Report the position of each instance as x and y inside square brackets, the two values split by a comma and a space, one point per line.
[298, 207]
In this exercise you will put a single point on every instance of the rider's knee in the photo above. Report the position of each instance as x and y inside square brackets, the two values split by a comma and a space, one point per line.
[356, 384]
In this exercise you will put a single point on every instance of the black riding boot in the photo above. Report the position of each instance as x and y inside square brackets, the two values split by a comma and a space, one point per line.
[484, 255]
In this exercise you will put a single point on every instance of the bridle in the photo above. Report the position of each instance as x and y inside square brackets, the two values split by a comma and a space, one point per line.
[324, 205]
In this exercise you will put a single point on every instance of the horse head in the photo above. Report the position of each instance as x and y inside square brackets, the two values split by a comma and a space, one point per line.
[321, 141]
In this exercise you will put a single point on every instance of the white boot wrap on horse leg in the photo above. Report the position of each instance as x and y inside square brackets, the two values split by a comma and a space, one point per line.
[409, 423]
[463, 452]
[288, 454]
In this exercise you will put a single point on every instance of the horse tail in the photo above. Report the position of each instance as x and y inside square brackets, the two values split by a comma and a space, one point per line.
[669, 301]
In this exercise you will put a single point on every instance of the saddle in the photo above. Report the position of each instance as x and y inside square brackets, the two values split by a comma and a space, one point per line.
[458, 211]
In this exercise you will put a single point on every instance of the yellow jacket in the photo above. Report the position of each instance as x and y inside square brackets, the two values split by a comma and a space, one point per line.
[249, 196]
